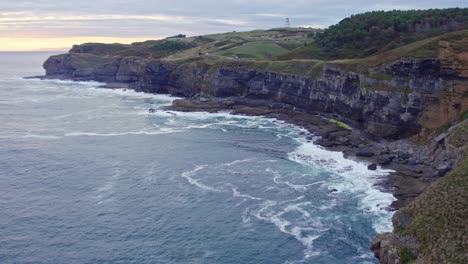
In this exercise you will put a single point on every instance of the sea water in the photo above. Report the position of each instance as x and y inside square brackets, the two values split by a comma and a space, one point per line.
[88, 175]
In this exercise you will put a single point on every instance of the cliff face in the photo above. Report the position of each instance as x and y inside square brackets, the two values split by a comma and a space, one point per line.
[390, 101]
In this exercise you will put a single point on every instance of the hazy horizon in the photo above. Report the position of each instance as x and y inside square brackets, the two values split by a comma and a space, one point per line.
[47, 25]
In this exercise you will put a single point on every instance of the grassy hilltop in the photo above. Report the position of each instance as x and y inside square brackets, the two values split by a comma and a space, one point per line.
[357, 42]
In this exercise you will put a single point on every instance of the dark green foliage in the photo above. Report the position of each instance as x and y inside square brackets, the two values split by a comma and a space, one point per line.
[372, 32]
[406, 256]
[178, 36]
[464, 116]
[399, 230]
[170, 45]
[221, 43]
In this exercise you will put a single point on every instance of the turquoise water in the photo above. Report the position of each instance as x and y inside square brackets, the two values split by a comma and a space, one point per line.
[89, 176]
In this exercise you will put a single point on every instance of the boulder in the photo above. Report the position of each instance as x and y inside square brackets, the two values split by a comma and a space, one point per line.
[401, 220]
[386, 248]
[404, 156]
[443, 169]
[372, 166]
[365, 153]
[324, 142]
[384, 159]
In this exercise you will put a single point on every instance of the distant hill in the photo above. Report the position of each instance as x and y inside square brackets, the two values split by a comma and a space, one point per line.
[256, 44]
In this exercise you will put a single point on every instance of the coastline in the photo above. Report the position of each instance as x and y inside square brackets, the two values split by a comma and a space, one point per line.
[406, 181]
[403, 108]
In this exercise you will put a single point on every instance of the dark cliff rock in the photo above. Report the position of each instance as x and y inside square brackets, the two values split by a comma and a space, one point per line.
[388, 108]
[83, 67]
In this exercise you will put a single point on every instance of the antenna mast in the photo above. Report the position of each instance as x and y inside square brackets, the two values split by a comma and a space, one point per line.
[287, 23]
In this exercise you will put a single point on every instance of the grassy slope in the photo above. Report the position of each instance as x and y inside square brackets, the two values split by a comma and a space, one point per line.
[424, 48]
[254, 50]
[429, 48]
[440, 218]
[311, 51]
[257, 44]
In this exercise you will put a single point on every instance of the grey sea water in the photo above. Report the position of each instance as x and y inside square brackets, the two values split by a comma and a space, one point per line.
[87, 175]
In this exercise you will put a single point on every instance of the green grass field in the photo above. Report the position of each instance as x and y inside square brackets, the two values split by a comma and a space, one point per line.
[254, 50]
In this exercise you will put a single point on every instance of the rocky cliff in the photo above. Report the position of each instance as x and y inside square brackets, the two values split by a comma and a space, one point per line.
[390, 101]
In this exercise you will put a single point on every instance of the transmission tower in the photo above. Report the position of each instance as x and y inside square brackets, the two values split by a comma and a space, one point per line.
[287, 23]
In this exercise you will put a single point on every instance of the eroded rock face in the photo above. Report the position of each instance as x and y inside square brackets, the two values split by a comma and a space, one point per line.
[386, 248]
[83, 67]
[59, 65]
[389, 107]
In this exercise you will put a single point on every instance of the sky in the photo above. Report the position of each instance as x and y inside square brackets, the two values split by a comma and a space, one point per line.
[58, 24]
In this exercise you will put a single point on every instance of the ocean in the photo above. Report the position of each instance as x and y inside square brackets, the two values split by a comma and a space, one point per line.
[88, 175]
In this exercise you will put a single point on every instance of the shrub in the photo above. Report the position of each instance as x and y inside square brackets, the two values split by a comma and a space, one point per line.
[170, 45]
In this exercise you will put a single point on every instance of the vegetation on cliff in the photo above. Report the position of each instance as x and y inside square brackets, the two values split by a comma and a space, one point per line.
[373, 32]
[438, 217]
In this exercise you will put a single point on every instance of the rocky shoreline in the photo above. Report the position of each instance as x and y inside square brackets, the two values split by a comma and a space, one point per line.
[385, 120]
[414, 166]
[413, 169]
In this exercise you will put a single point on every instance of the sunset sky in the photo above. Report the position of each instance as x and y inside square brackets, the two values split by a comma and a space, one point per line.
[57, 25]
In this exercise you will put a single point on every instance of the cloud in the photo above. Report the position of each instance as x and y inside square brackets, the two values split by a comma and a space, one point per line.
[145, 18]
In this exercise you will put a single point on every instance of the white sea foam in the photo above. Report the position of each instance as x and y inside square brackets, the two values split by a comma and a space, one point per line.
[105, 192]
[214, 124]
[238, 161]
[84, 83]
[297, 187]
[94, 88]
[304, 234]
[82, 112]
[189, 176]
[141, 132]
[350, 176]
[162, 98]
[200, 116]
[236, 193]
[41, 136]
[246, 219]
